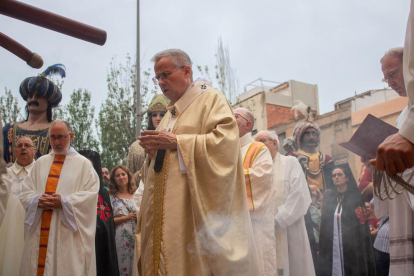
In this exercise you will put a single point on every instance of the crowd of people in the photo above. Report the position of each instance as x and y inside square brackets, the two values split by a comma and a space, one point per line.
[202, 193]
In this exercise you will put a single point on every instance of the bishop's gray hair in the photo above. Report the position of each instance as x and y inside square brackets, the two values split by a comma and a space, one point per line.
[178, 57]
[272, 135]
[63, 122]
[397, 52]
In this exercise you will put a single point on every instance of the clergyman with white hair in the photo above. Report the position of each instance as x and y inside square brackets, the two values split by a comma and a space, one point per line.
[292, 200]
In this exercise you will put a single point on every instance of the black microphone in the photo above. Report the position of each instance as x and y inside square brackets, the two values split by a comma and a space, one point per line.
[159, 159]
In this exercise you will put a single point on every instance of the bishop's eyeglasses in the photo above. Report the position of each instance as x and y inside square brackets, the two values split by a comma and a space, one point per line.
[391, 76]
[164, 75]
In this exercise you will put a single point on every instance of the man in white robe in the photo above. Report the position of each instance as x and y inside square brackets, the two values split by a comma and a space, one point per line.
[257, 163]
[71, 239]
[291, 202]
[12, 229]
[400, 209]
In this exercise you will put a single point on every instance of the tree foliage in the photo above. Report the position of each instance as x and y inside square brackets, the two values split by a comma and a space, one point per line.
[10, 110]
[80, 115]
[116, 123]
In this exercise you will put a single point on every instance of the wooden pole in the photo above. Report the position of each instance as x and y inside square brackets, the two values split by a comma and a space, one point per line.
[138, 108]
[51, 21]
[32, 59]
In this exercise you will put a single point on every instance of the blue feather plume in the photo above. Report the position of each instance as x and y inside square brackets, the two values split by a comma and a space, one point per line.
[56, 69]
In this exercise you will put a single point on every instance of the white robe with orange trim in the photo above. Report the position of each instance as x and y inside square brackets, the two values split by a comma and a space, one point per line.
[68, 252]
[261, 179]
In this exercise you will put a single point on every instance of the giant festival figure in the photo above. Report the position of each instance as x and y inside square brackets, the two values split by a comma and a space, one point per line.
[41, 95]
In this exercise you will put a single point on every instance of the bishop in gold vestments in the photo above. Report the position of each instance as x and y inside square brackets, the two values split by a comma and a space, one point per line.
[194, 217]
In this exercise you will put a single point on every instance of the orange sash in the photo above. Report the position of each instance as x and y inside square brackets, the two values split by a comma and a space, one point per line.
[249, 158]
[51, 185]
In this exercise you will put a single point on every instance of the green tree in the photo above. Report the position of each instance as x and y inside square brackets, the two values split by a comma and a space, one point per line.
[80, 115]
[58, 112]
[10, 110]
[116, 121]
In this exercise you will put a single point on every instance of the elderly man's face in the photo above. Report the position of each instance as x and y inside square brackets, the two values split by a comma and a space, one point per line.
[392, 69]
[270, 144]
[24, 151]
[173, 81]
[310, 140]
[60, 138]
[243, 123]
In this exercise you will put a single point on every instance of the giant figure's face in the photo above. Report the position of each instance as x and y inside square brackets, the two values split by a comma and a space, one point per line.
[392, 69]
[310, 140]
[36, 105]
[173, 81]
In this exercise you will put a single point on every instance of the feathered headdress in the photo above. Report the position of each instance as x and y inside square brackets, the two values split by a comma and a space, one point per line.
[303, 109]
[56, 69]
[42, 87]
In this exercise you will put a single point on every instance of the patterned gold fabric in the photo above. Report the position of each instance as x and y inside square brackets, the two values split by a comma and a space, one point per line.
[202, 216]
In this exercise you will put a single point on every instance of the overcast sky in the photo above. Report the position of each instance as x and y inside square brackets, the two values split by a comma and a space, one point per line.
[335, 44]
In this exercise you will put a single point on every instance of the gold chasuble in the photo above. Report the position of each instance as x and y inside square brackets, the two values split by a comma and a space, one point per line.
[194, 217]
[249, 158]
[51, 185]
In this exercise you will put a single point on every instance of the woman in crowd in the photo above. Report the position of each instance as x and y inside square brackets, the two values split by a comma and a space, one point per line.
[122, 200]
[345, 242]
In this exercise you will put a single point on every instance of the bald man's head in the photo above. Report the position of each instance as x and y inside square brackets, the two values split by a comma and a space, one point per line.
[244, 119]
